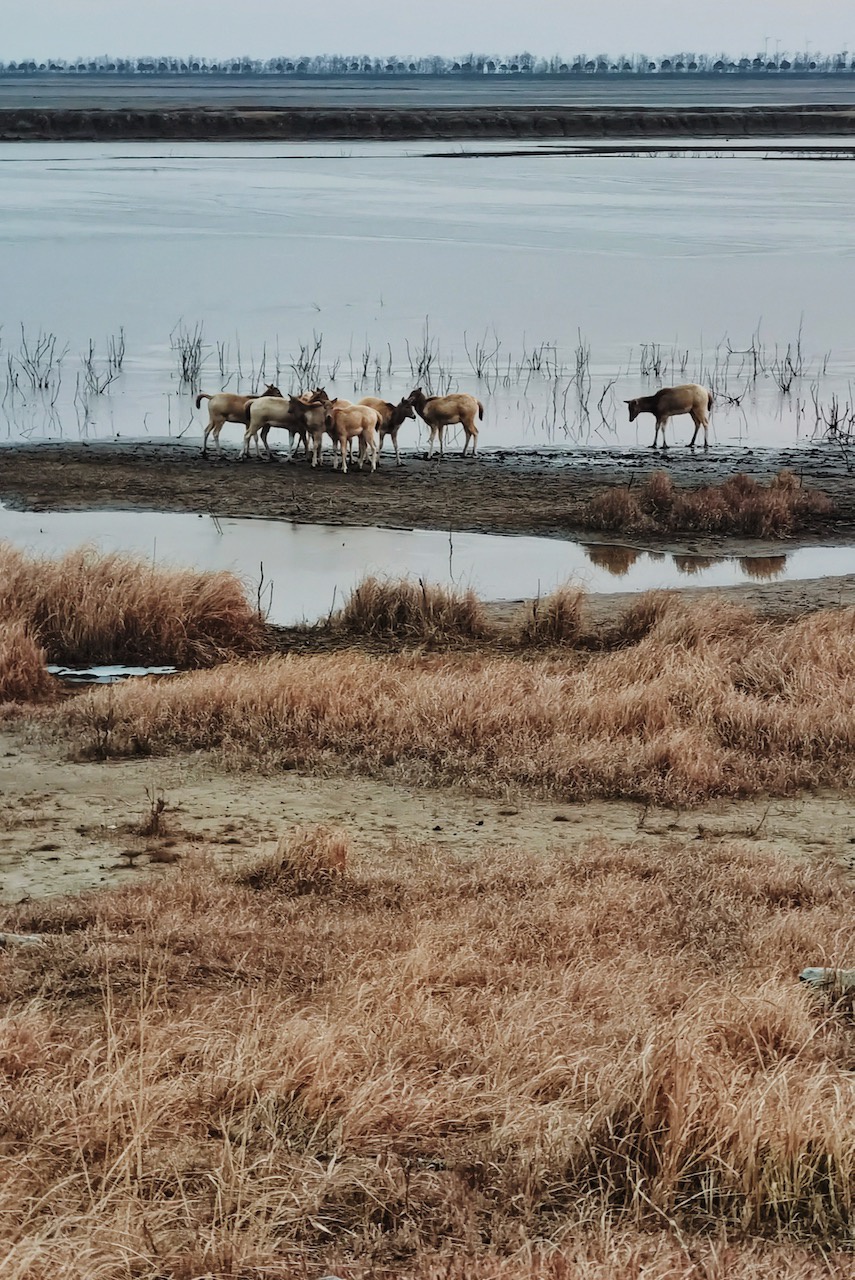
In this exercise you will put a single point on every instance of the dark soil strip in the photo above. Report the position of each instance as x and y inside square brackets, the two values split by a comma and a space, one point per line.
[302, 124]
[526, 492]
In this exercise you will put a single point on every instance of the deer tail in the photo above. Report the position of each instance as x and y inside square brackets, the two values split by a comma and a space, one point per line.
[203, 395]
[480, 410]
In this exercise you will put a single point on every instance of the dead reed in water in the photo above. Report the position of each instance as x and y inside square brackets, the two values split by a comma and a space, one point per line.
[703, 700]
[593, 1062]
[92, 607]
[740, 505]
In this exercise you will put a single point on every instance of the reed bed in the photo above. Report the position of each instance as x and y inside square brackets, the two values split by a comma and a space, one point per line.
[91, 607]
[704, 700]
[410, 610]
[595, 1062]
[740, 505]
[23, 673]
[557, 619]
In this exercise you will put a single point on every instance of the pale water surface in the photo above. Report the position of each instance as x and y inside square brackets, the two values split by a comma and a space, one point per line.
[266, 245]
[306, 570]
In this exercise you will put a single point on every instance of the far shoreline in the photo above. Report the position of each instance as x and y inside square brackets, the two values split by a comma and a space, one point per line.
[471, 123]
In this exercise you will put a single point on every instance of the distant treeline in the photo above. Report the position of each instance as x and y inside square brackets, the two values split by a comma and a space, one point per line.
[472, 65]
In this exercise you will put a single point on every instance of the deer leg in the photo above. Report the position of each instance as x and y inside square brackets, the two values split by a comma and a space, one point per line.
[398, 462]
[664, 441]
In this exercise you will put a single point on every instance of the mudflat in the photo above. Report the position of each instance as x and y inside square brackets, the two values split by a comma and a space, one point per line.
[528, 492]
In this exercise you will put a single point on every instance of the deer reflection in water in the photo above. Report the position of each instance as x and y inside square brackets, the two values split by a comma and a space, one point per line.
[695, 564]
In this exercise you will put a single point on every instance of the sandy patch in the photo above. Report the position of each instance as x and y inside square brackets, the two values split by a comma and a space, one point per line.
[66, 827]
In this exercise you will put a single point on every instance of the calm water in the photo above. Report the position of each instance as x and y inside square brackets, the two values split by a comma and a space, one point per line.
[270, 246]
[306, 570]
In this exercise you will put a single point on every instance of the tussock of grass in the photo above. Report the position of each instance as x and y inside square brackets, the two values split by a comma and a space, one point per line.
[306, 859]
[740, 505]
[708, 702]
[23, 674]
[88, 607]
[411, 611]
[555, 620]
[478, 1060]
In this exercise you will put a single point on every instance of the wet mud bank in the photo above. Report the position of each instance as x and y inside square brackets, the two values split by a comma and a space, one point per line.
[306, 123]
[518, 492]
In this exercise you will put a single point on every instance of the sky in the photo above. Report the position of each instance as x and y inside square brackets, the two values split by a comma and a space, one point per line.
[259, 28]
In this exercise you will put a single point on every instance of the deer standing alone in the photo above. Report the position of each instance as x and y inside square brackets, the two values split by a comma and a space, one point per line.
[670, 402]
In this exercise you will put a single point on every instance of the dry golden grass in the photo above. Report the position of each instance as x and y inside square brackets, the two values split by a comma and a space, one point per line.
[305, 859]
[555, 620]
[435, 1067]
[411, 611]
[708, 701]
[23, 673]
[740, 505]
[89, 607]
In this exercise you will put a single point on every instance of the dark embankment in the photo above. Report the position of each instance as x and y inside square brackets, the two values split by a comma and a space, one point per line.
[202, 123]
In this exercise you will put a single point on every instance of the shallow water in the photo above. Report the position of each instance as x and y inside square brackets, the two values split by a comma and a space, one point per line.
[269, 245]
[301, 572]
[113, 674]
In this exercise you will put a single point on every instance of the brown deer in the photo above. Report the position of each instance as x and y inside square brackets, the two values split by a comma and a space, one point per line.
[225, 407]
[392, 417]
[670, 402]
[440, 412]
[268, 411]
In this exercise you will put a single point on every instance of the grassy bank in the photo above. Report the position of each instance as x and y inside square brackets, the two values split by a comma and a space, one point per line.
[89, 607]
[418, 1065]
[740, 506]
[694, 701]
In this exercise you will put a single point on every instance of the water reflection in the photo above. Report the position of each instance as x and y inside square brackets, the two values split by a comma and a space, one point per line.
[308, 568]
[696, 564]
[615, 560]
[760, 567]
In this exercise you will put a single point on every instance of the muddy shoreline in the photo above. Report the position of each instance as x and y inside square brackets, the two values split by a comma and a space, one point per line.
[531, 492]
[204, 123]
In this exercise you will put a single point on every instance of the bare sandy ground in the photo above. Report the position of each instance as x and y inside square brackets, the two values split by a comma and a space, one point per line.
[67, 827]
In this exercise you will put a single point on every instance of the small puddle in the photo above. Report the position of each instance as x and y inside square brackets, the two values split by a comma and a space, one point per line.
[301, 572]
[105, 674]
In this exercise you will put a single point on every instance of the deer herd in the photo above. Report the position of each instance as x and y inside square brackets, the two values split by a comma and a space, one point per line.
[309, 417]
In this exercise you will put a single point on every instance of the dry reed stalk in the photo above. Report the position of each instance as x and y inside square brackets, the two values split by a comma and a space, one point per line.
[23, 673]
[710, 702]
[89, 607]
[555, 620]
[606, 1057]
[411, 611]
[740, 505]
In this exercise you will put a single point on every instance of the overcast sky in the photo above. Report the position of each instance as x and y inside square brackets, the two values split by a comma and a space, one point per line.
[211, 28]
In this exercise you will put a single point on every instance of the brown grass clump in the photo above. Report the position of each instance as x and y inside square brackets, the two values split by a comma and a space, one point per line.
[740, 505]
[89, 607]
[411, 611]
[555, 620]
[23, 673]
[708, 702]
[306, 859]
[595, 1062]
